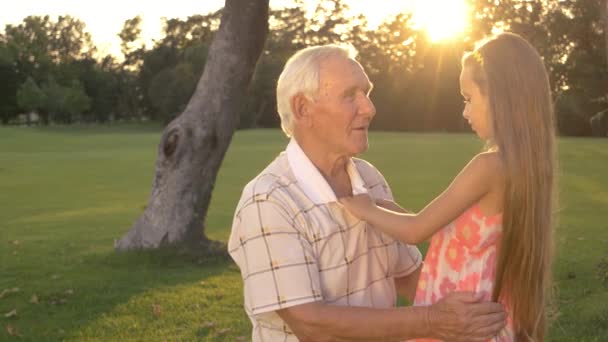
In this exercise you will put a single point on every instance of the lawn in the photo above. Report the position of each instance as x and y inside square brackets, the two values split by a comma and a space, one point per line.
[67, 192]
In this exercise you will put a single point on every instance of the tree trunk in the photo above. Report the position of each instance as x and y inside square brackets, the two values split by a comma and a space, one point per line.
[45, 118]
[193, 145]
[605, 11]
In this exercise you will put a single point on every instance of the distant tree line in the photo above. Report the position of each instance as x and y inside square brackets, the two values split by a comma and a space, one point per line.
[51, 67]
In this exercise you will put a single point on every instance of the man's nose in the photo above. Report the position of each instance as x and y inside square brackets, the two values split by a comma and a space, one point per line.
[367, 107]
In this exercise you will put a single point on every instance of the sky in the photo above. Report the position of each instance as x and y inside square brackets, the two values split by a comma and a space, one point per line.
[104, 19]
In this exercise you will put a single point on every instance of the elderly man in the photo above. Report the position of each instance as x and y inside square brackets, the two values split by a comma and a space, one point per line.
[311, 270]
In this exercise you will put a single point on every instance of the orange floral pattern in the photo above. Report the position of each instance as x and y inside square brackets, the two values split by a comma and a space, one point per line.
[469, 282]
[468, 233]
[462, 257]
[432, 255]
[446, 286]
[454, 255]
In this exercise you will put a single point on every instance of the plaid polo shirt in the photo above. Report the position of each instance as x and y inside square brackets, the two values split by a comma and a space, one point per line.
[295, 244]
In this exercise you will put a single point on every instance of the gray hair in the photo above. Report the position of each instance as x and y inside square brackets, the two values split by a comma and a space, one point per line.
[301, 75]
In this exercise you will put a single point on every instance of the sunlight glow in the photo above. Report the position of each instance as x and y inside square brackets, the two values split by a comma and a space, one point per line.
[379, 12]
[441, 19]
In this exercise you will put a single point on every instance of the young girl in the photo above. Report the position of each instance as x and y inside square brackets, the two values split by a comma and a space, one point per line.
[496, 214]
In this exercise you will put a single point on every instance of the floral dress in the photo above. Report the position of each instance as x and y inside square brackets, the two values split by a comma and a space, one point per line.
[462, 257]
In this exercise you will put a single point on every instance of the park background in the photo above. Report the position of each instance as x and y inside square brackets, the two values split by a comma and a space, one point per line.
[81, 126]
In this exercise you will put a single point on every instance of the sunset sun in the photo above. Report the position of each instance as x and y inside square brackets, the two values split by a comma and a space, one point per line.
[441, 19]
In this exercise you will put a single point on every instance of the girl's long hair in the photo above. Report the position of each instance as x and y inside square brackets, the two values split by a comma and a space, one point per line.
[510, 72]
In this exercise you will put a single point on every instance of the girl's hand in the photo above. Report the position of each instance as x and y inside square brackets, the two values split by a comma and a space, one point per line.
[359, 205]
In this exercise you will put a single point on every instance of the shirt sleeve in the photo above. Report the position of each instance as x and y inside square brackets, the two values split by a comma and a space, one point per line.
[276, 260]
[409, 259]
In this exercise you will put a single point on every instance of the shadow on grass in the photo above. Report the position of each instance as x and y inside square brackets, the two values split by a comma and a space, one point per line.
[117, 288]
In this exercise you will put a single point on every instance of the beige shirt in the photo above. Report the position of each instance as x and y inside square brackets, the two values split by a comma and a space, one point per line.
[295, 244]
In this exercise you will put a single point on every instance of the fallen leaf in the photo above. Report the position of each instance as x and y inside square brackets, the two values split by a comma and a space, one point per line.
[34, 299]
[209, 325]
[156, 310]
[69, 292]
[16, 242]
[223, 331]
[240, 338]
[55, 276]
[12, 331]
[9, 291]
[10, 314]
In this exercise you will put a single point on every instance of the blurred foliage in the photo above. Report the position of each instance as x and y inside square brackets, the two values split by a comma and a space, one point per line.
[415, 81]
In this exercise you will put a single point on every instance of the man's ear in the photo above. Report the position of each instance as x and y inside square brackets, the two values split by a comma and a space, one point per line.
[300, 107]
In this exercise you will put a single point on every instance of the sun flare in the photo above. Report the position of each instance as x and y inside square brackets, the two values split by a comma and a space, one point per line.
[441, 19]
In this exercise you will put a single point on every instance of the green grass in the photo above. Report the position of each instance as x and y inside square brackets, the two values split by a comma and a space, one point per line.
[67, 192]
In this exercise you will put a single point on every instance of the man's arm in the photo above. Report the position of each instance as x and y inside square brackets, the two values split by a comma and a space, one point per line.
[406, 285]
[321, 322]
[456, 317]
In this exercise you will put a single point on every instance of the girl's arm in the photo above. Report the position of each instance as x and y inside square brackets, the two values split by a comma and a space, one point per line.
[471, 184]
[392, 206]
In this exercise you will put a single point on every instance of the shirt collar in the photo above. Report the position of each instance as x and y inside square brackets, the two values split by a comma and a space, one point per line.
[312, 182]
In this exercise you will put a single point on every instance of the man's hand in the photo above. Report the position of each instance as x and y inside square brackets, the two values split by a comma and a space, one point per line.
[359, 205]
[462, 316]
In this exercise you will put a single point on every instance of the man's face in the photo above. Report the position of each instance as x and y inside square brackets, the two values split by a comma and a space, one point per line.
[342, 109]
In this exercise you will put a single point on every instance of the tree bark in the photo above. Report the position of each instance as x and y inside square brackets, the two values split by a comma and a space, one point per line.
[193, 145]
[605, 12]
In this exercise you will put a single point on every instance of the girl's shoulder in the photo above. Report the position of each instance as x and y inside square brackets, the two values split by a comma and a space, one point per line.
[490, 160]
[487, 166]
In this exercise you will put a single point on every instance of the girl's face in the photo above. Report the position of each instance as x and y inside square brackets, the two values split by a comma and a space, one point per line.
[476, 107]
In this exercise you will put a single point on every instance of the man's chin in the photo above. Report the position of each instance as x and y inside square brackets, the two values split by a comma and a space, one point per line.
[360, 148]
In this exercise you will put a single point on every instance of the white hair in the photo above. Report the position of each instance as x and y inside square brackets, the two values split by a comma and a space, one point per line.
[301, 76]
